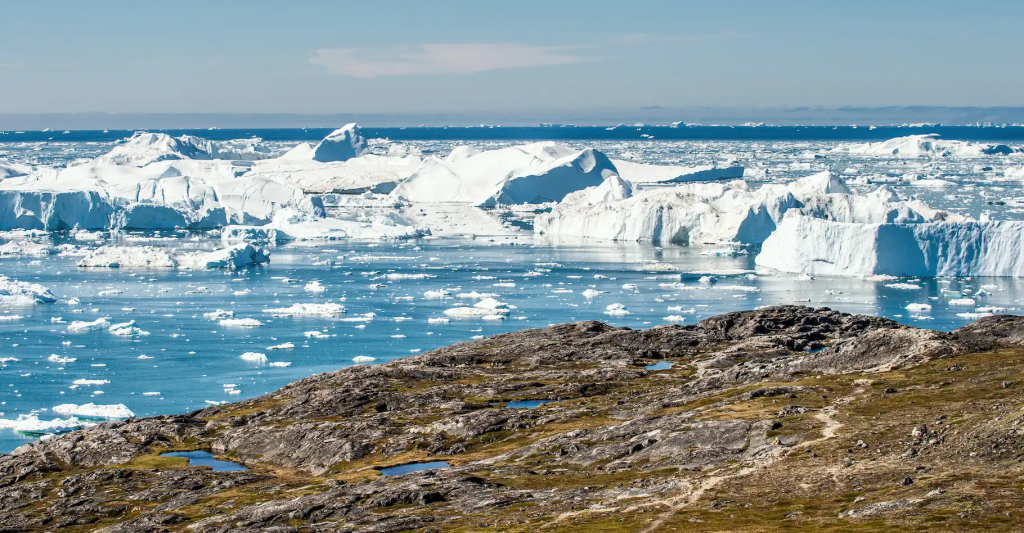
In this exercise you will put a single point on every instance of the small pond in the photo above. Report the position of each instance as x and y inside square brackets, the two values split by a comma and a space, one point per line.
[660, 365]
[412, 467]
[202, 458]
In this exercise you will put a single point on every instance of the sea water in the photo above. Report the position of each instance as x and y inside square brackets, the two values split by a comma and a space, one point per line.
[189, 362]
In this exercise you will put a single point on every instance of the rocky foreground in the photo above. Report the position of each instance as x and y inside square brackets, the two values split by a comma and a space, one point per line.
[785, 418]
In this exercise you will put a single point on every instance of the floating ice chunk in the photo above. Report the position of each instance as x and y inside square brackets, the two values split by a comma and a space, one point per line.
[25, 248]
[92, 410]
[328, 309]
[127, 329]
[903, 286]
[915, 307]
[54, 358]
[439, 294]
[253, 357]
[591, 293]
[5, 360]
[232, 258]
[400, 276]
[89, 382]
[281, 364]
[110, 292]
[488, 307]
[477, 295]
[365, 317]
[315, 287]
[219, 314]
[151, 394]
[78, 326]
[630, 287]
[10, 318]
[363, 359]
[616, 310]
[240, 323]
[112, 256]
[32, 425]
[284, 346]
[74, 301]
[21, 293]
[962, 301]
[675, 319]
[316, 335]
[440, 320]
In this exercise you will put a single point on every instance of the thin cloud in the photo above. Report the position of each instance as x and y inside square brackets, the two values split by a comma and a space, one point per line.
[439, 58]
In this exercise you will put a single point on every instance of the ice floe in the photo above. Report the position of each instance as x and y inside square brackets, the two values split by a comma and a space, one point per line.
[92, 410]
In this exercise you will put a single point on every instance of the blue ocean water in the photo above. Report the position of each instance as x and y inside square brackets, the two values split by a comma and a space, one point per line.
[559, 133]
[188, 362]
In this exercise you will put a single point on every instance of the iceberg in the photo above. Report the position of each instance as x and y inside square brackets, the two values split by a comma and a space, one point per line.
[294, 225]
[915, 146]
[91, 410]
[341, 145]
[641, 173]
[529, 174]
[231, 258]
[714, 213]
[144, 148]
[32, 425]
[328, 309]
[485, 308]
[815, 246]
[14, 292]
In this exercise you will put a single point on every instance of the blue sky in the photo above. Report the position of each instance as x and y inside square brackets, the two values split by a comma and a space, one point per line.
[389, 56]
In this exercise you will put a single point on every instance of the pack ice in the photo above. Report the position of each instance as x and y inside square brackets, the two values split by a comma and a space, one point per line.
[231, 258]
[914, 146]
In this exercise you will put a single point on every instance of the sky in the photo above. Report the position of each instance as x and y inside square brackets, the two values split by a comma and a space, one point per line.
[410, 56]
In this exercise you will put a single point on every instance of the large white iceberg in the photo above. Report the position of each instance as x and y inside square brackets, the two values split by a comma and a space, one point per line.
[705, 213]
[914, 146]
[533, 173]
[822, 247]
[92, 410]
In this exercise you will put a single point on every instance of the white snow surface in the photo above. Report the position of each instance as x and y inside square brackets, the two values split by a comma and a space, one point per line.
[533, 173]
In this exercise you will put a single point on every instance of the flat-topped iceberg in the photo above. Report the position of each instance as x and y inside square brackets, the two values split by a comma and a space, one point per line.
[233, 257]
[914, 146]
[822, 247]
[92, 410]
[533, 173]
[651, 174]
[706, 213]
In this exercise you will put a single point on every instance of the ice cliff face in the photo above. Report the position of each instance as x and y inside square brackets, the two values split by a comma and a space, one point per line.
[809, 245]
[341, 145]
[704, 213]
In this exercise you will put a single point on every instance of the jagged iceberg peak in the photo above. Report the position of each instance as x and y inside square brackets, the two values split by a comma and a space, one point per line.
[144, 148]
[341, 145]
[532, 173]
